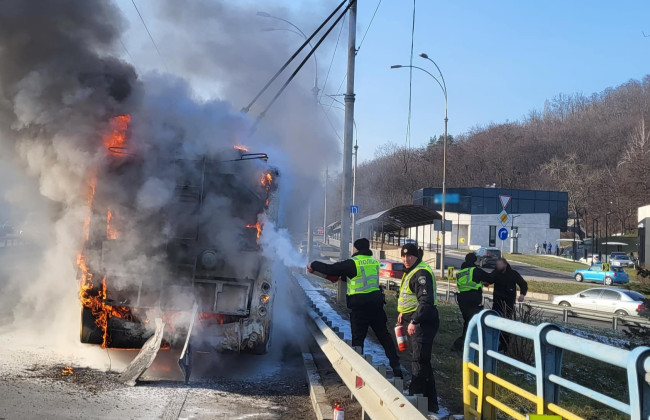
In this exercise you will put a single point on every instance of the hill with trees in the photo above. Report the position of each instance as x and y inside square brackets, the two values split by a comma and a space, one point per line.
[595, 147]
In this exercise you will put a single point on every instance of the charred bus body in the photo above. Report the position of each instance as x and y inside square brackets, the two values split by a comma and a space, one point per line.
[156, 246]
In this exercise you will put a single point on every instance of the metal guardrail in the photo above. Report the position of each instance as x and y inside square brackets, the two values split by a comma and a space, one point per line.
[590, 314]
[379, 397]
[480, 376]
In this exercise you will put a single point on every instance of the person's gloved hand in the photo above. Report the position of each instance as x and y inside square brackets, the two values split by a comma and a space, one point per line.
[521, 298]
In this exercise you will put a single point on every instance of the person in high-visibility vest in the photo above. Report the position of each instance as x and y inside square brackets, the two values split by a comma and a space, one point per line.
[469, 281]
[416, 305]
[364, 298]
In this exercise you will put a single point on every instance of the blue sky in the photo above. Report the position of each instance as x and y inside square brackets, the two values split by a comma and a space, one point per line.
[500, 59]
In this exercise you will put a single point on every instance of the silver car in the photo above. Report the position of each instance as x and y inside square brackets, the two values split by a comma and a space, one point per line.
[623, 260]
[622, 302]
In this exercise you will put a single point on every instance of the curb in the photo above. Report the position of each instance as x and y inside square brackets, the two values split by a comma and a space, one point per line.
[317, 395]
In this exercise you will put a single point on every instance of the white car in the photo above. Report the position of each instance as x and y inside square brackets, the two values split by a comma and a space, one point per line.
[621, 261]
[621, 302]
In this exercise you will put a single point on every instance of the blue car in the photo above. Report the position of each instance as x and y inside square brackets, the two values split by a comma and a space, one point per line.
[595, 273]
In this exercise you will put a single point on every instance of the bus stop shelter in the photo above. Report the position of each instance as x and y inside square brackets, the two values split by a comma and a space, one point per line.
[392, 222]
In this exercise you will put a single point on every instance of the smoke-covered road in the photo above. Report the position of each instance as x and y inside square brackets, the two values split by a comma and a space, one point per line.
[33, 385]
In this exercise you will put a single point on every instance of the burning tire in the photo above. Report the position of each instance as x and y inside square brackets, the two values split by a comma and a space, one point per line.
[90, 332]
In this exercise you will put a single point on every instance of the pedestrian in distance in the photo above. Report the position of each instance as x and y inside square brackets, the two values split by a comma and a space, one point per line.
[557, 250]
[536, 248]
[364, 298]
[469, 281]
[416, 305]
[550, 247]
[544, 248]
[506, 280]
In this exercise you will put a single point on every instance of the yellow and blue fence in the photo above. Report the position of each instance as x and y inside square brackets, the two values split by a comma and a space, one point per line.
[480, 376]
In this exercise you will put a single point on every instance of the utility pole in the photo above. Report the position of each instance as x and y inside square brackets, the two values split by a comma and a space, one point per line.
[354, 188]
[348, 132]
[310, 232]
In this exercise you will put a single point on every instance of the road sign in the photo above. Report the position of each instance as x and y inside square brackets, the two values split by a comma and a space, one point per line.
[606, 266]
[461, 240]
[505, 200]
[354, 209]
[504, 217]
[438, 227]
[503, 234]
[452, 198]
[450, 272]
[438, 239]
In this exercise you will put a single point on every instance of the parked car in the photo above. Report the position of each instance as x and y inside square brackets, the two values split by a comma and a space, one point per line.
[614, 254]
[621, 260]
[404, 241]
[596, 274]
[607, 299]
[487, 257]
[392, 271]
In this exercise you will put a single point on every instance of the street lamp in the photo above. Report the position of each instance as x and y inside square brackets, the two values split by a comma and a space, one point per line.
[594, 244]
[297, 31]
[443, 86]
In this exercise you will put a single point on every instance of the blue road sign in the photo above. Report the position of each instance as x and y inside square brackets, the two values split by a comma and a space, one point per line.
[354, 209]
[452, 198]
[503, 234]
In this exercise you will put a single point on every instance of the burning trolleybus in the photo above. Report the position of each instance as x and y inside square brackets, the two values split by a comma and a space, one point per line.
[160, 247]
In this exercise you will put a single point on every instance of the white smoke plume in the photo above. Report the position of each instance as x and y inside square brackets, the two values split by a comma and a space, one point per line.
[61, 87]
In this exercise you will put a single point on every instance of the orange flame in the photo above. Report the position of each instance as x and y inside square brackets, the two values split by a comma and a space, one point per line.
[115, 141]
[111, 233]
[240, 147]
[257, 226]
[67, 371]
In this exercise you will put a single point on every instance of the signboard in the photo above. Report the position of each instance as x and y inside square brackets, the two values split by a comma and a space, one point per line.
[504, 218]
[505, 200]
[354, 209]
[450, 272]
[606, 266]
[461, 240]
[452, 198]
[503, 234]
[437, 225]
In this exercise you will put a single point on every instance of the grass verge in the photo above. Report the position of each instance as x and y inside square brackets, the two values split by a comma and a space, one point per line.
[565, 288]
[546, 261]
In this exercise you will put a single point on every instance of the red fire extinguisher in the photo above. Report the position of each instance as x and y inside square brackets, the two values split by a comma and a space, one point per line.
[333, 279]
[339, 412]
[400, 334]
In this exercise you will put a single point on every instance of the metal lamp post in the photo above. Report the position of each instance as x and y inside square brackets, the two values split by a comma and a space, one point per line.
[607, 234]
[443, 86]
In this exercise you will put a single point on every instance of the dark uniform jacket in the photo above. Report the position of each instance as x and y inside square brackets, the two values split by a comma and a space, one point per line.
[480, 276]
[505, 284]
[422, 285]
[346, 270]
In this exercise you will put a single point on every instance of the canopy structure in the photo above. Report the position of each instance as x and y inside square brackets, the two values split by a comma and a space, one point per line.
[400, 217]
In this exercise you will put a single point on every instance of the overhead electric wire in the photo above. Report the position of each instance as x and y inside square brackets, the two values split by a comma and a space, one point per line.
[338, 38]
[369, 25]
[302, 63]
[295, 54]
[150, 36]
[408, 119]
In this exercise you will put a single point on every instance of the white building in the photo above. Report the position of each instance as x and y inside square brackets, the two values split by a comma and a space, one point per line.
[475, 215]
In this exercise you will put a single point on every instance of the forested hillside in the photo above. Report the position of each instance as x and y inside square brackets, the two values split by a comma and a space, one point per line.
[595, 147]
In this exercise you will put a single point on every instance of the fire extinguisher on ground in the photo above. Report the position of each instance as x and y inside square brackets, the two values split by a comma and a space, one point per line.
[339, 412]
[402, 340]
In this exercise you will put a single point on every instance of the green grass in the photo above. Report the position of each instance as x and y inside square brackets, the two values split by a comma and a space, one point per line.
[447, 365]
[566, 288]
[546, 261]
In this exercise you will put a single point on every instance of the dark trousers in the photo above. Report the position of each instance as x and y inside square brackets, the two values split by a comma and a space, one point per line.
[373, 316]
[423, 381]
[470, 303]
[505, 308]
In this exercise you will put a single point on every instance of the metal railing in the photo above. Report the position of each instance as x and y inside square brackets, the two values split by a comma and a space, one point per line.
[379, 397]
[480, 376]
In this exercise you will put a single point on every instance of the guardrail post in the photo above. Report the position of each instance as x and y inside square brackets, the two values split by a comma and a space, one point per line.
[565, 316]
[488, 340]
[615, 323]
[548, 361]
[639, 389]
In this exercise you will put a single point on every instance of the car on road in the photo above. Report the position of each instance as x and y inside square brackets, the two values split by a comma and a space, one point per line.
[607, 299]
[621, 260]
[595, 273]
[487, 257]
[391, 272]
[405, 241]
